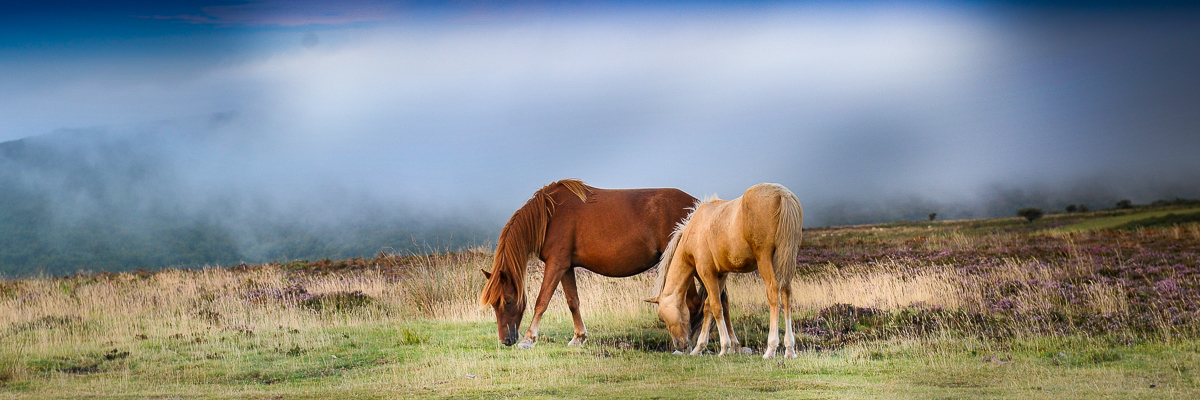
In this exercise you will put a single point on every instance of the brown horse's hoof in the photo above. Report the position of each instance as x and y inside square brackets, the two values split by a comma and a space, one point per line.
[526, 344]
[578, 341]
[747, 351]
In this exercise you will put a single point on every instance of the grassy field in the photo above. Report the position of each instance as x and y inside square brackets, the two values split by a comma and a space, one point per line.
[1122, 219]
[979, 308]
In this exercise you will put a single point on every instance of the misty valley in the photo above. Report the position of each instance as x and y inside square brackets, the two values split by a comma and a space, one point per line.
[94, 201]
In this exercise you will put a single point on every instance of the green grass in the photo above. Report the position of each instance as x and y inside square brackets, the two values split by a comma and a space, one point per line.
[1168, 220]
[463, 360]
[1119, 220]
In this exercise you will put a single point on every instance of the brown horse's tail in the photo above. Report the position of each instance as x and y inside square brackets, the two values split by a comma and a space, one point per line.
[787, 236]
[523, 237]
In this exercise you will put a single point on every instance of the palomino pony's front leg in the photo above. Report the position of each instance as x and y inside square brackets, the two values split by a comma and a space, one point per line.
[702, 338]
[735, 345]
[550, 280]
[723, 326]
[715, 285]
[572, 294]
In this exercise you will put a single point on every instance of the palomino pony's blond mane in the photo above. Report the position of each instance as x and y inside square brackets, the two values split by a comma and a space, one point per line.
[523, 237]
[664, 262]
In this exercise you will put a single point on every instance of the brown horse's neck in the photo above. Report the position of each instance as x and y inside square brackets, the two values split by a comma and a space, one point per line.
[523, 237]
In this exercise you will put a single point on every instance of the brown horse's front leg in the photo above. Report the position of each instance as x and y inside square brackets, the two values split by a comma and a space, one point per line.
[572, 293]
[554, 274]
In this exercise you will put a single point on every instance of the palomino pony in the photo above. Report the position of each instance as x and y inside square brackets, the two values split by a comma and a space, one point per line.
[758, 231]
[567, 224]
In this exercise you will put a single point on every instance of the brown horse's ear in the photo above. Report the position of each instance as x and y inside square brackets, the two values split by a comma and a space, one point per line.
[485, 273]
[651, 300]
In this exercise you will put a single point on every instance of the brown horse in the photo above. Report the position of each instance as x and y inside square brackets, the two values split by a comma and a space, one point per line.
[758, 231]
[567, 224]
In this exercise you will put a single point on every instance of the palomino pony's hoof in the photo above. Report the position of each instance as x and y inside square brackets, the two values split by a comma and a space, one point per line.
[526, 344]
[789, 353]
[678, 353]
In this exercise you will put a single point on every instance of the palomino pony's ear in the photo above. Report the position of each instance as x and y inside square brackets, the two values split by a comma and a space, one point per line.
[651, 300]
[485, 273]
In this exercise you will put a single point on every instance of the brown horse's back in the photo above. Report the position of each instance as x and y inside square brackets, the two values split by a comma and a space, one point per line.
[616, 232]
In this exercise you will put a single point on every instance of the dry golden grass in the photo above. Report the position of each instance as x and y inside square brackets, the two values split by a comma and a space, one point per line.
[246, 329]
[444, 287]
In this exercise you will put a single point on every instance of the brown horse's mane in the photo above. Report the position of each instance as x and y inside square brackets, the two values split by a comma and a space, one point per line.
[523, 237]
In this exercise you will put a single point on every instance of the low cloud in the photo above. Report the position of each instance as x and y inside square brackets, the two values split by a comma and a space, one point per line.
[880, 114]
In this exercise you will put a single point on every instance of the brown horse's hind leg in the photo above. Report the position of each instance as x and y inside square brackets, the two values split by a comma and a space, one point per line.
[555, 268]
[735, 345]
[696, 299]
[572, 293]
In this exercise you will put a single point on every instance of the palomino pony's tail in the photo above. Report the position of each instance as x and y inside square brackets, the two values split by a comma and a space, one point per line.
[664, 262]
[521, 238]
[787, 236]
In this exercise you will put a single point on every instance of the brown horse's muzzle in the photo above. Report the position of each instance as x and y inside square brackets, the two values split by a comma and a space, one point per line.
[508, 322]
[508, 334]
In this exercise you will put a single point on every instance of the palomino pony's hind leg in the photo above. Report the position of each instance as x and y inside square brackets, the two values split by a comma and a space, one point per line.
[555, 268]
[789, 339]
[572, 293]
[767, 270]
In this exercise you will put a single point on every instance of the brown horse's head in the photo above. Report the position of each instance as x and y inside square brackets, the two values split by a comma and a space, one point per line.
[521, 238]
[509, 307]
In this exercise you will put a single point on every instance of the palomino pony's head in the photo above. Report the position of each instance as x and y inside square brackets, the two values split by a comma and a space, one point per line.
[680, 307]
[521, 238]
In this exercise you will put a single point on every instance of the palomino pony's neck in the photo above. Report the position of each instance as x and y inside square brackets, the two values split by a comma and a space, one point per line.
[664, 263]
[523, 237]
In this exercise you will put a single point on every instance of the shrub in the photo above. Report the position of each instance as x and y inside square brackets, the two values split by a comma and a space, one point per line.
[1124, 204]
[1030, 213]
[1072, 208]
[1177, 202]
[413, 337]
[337, 301]
[1083, 208]
[932, 216]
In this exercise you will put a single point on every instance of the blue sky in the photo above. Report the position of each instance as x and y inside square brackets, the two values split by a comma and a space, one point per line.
[860, 108]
